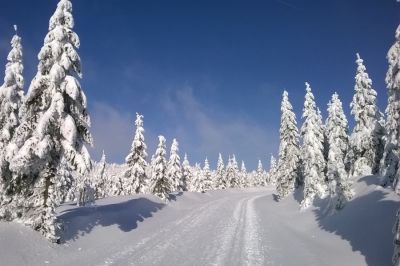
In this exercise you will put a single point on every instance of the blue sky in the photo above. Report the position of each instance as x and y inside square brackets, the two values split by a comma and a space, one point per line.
[210, 73]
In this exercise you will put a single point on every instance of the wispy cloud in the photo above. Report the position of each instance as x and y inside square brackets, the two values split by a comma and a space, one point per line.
[205, 130]
[112, 130]
[287, 4]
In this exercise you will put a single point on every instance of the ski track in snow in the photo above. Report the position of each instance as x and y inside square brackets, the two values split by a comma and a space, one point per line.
[242, 237]
[153, 246]
[233, 240]
[255, 253]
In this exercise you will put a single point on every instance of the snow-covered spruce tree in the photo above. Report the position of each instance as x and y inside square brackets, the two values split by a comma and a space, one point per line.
[251, 178]
[390, 160]
[207, 176]
[135, 179]
[114, 174]
[220, 174]
[174, 170]
[55, 124]
[186, 174]
[312, 151]
[98, 178]
[243, 176]
[232, 172]
[336, 128]
[162, 185]
[197, 184]
[260, 175]
[325, 143]
[65, 183]
[289, 153]
[228, 172]
[11, 94]
[366, 140]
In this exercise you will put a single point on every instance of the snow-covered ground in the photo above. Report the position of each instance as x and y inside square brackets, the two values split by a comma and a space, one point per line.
[232, 227]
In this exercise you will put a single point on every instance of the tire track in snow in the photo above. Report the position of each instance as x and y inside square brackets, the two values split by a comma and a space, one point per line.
[235, 239]
[156, 254]
[223, 244]
[154, 243]
[254, 249]
[241, 243]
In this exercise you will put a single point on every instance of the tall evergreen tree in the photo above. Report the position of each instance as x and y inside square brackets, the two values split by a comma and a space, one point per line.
[11, 94]
[66, 183]
[135, 179]
[114, 176]
[325, 143]
[243, 182]
[220, 174]
[174, 170]
[312, 151]
[336, 128]
[197, 184]
[260, 175]
[55, 125]
[186, 174]
[391, 152]
[366, 141]
[289, 153]
[99, 178]
[232, 171]
[390, 160]
[162, 185]
[207, 176]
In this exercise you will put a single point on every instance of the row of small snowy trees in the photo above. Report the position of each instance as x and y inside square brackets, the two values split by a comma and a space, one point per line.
[162, 176]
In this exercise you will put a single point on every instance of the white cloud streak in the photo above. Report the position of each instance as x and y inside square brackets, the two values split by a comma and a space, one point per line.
[111, 131]
[206, 131]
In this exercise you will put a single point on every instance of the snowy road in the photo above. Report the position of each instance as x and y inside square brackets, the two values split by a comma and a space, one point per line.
[234, 227]
[224, 231]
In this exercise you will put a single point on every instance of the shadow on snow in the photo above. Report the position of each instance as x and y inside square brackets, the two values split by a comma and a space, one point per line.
[366, 222]
[126, 215]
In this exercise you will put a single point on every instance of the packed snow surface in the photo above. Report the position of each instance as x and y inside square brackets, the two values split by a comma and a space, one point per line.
[227, 227]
